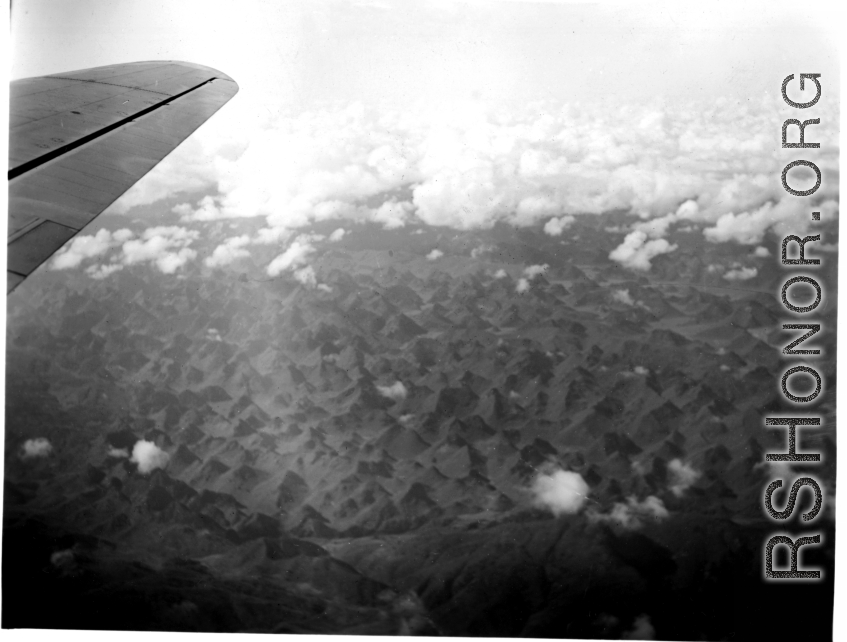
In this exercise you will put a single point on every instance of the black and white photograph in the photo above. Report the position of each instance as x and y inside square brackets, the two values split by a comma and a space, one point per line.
[494, 319]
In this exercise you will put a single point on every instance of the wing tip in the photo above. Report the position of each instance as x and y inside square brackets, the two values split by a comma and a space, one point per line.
[211, 70]
[215, 72]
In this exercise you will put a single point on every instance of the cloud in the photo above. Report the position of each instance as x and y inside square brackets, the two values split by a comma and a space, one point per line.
[500, 274]
[562, 492]
[101, 271]
[36, 448]
[306, 276]
[86, 247]
[392, 214]
[632, 514]
[762, 252]
[534, 270]
[323, 287]
[480, 251]
[741, 274]
[64, 559]
[148, 456]
[272, 236]
[207, 210]
[641, 370]
[555, 226]
[522, 286]
[228, 251]
[337, 235]
[396, 391]
[117, 453]
[622, 296]
[434, 255]
[642, 629]
[636, 251]
[783, 216]
[164, 246]
[682, 476]
[541, 163]
[294, 256]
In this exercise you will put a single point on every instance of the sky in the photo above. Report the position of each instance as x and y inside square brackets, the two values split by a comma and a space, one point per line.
[456, 114]
[438, 51]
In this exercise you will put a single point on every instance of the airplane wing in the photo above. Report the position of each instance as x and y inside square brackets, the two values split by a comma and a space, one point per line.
[78, 140]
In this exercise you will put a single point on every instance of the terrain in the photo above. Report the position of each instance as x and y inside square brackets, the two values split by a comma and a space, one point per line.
[363, 455]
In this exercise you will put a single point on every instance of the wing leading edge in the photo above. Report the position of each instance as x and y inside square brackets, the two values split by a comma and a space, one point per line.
[78, 140]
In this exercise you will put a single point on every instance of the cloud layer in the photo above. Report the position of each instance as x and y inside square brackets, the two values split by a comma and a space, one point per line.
[710, 167]
[166, 247]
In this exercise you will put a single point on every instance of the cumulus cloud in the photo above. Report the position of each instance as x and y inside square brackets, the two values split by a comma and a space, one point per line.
[294, 256]
[633, 514]
[228, 251]
[761, 252]
[64, 559]
[86, 247]
[167, 247]
[306, 276]
[622, 296]
[337, 235]
[393, 214]
[207, 210]
[36, 448]
[536, 164]
[642, 629]
[396, 391]
[480, 250]
[323, 287]
[148, 456]
[641, 370]
[657, 227]
[522, 286]
[101, 271]
[783, 216]
[118, 453]
[682, 476]
[555, 226]
[741, 274]
[562, 492]
[434, 255]
[534, 270]
[500, 274]
[636, 252]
